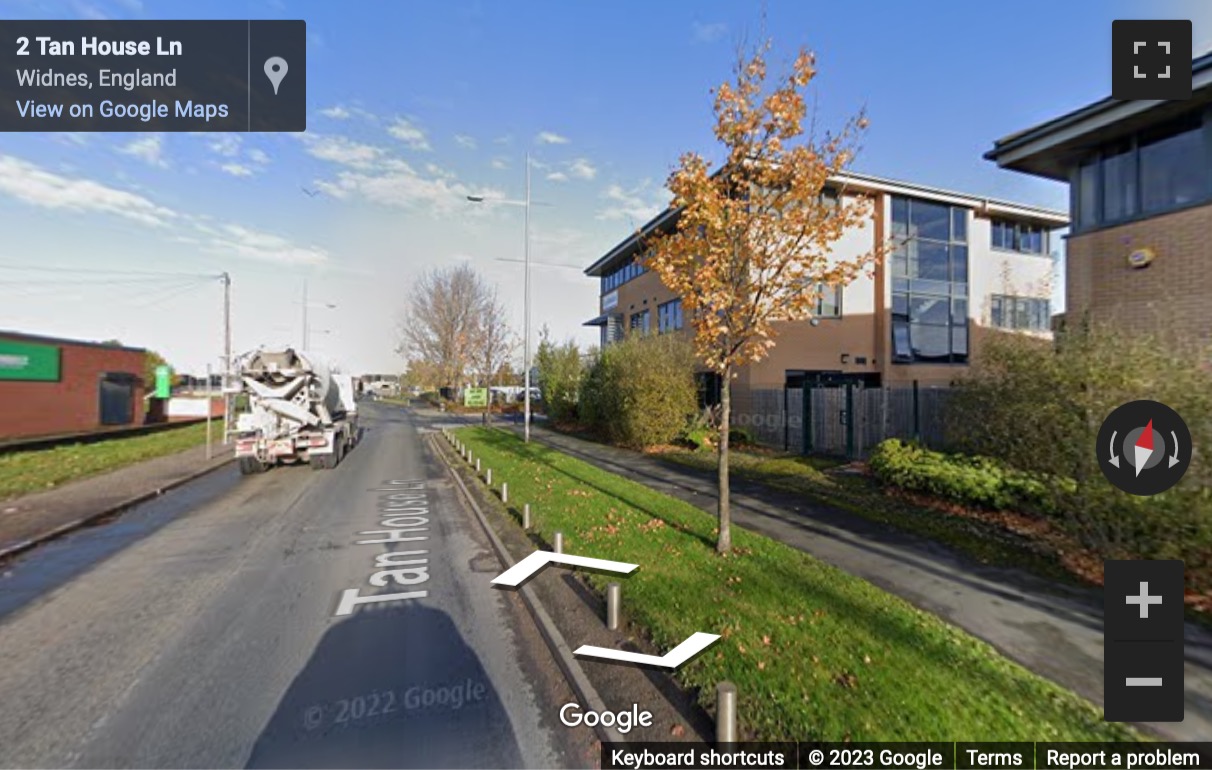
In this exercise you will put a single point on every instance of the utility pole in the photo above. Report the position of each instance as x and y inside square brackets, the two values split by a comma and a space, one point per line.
[526, 311]
[227, 399]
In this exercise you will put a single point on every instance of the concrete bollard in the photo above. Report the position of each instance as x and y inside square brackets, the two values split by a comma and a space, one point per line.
[614, 599]
[504, 492]
[558, 544]
[725, 713]
[477, 465]
[488, 477]
[526, 516]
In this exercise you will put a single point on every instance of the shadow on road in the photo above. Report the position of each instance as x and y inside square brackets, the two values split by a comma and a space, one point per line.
[390, 687]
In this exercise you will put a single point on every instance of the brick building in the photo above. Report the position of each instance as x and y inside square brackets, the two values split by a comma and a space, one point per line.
[1140, 179]
[965, 267]
[51, 386]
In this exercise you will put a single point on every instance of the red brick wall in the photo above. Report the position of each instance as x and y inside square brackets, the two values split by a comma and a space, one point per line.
[1171, 293]
[71, 405]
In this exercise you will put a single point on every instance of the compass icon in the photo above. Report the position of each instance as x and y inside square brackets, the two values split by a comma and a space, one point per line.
[1144, 447]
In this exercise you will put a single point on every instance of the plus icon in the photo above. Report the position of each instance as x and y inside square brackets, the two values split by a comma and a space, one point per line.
[1144, 600]
[1151, 59]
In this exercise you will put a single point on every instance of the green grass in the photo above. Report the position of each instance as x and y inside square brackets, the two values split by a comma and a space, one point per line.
[23, 472]
[862, 496]
[815, 653]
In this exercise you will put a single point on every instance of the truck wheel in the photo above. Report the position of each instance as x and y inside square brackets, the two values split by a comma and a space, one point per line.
[251, 465]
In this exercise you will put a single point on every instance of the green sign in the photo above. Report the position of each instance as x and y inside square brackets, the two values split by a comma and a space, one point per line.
[163, 382]
[475, 397]
[29, 361]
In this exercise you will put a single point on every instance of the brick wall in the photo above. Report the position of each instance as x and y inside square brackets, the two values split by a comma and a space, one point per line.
[1174, 292]
[71, 405]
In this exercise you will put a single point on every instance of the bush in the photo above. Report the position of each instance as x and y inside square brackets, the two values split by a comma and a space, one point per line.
[559, 371]
[1037, 408]
[976, 481]
[640, 392]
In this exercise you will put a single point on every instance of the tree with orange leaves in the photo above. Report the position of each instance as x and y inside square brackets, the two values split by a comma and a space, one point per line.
[753, 243]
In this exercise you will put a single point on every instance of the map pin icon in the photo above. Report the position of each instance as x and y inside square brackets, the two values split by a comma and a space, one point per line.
[275, 70]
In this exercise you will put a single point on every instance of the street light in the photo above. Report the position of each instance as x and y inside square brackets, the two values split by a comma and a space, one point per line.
[525, 293]
[306, 304]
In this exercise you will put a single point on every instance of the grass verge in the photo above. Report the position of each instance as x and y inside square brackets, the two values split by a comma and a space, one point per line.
[815, 653]
[23, 472]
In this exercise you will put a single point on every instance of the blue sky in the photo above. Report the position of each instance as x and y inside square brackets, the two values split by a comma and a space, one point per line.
[413, 105]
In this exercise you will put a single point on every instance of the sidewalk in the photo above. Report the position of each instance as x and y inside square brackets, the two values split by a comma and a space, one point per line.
[27, 521]
[1051, 629]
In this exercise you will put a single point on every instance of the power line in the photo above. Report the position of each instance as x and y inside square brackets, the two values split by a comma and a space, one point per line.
[48, 269]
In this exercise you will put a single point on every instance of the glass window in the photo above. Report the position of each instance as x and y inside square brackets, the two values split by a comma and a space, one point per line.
[931, 310]
[1173, 169]
[959, 342]
[929, 220]
[931, 344]
[900, 305]
[959, 264]
[928, 260]
[959, 310]
[1087, 193]
[1119, 184]
[829, 304]
[902, 348]
[900, 217]
[995, 311]
[959, 225]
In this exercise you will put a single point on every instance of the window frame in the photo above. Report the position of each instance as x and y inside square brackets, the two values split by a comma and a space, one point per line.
[1095, 160]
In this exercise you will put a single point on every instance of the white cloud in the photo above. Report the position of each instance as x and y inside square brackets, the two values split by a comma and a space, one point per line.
[36, 186]
[148, 148]
[550, 137]
[408, 133]
[500, 164]
[236, 169]
[339, 149]
[557, 176]
[258, 156]
[33, 185]
[709, 32]
[264, 247]
[465, 141]
[581, 168]
[227, 145]
[637, 204]
[505, 139]
[336, 112]
[394, 182]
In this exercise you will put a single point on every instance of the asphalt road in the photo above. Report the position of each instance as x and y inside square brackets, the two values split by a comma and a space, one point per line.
[202, 630]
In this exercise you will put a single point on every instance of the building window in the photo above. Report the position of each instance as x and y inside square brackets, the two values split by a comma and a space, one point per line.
[1157, 170]
[929, 282]
[669, 316]
[640, 322]
[828, 301]
[1018, 236]
[621, 275]
[1173, 168]
[1020, 313]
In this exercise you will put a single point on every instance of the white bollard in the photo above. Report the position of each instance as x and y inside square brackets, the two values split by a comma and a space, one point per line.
[504, 492]
[558, 544]
[725, 713]
[488, 477]
[526, 516]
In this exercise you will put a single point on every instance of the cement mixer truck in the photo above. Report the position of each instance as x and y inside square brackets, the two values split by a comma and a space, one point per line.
[298, 411]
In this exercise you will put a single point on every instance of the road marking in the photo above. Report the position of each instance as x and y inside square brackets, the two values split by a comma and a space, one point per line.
[527, 567]
[404, 508]
[694, 644]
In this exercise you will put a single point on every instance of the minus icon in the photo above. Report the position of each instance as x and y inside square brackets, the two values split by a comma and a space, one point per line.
[1144, 681]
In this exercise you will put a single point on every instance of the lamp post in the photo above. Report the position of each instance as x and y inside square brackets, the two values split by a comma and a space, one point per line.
[525, 204]
[306, 305]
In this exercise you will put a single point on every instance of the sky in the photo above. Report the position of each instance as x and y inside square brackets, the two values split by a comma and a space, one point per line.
[415, 105]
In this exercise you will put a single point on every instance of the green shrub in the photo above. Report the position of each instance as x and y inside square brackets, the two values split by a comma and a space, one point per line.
[559, 371]
[1037, 408]
[640, 392]
[975, 481]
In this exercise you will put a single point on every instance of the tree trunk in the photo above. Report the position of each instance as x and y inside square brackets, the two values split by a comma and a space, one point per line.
[724, 543]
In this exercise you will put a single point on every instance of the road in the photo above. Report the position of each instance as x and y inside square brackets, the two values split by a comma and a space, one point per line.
[202, 630]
